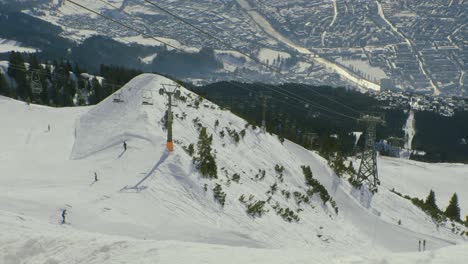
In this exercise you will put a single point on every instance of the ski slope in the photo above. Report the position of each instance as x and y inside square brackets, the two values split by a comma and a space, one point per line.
[152, 205]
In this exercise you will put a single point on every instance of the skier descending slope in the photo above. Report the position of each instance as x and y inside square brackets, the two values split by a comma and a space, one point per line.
[64, 214]
[125, 146]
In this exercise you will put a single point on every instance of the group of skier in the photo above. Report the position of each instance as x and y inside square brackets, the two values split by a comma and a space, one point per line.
[64, 211]
[424, 245]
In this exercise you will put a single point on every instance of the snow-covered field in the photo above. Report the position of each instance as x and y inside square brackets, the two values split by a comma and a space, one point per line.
[373, 73]
[150, 206]
[268, 55]
[11, 45]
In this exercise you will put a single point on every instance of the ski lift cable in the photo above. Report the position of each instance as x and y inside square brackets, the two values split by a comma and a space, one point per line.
[229, 45]
[315, 105]
[270, 67]
[299, 107]
[138, 31]
[245, 54]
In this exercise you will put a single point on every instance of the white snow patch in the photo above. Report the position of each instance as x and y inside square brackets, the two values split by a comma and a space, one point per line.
[11, 45]
[149, 59]
[269, 55]
[371, 72]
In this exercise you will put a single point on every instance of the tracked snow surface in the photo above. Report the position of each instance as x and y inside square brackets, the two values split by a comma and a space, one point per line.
[149, 206]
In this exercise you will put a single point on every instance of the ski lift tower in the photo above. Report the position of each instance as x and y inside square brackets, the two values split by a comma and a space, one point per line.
[368, 167]
[170, 90]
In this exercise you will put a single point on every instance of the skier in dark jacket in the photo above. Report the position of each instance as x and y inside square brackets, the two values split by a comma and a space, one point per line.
[64, 214]
[125, 146]
[95, 177]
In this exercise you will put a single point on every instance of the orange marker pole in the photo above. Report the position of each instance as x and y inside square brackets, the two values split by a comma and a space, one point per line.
[170, 146]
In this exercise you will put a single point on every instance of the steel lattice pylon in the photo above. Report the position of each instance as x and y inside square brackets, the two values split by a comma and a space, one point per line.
[368, 167]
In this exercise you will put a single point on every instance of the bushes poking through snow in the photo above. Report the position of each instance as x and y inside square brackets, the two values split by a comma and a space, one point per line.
[273, 189]
[233, 133]
[190, 149]
[300, 198]
[279, 172]
[254, 208]
[219, 195]
[235, 177]
[286, 194]
[260, 175]
[317, 187]
[286, 213]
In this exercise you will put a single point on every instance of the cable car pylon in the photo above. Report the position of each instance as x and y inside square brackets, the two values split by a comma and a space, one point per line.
[170, 90]
[368, 172]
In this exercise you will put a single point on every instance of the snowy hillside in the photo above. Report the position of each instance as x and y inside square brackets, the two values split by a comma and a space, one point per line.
[150, 204]
[11, 45]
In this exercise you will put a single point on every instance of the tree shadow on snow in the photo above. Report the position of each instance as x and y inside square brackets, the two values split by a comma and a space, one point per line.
[137, 187]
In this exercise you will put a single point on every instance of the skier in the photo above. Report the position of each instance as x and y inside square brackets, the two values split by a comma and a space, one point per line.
[424, 245]
[48, 128]
[64, 214]
[95, 177]
[125, 145]
[419, 246]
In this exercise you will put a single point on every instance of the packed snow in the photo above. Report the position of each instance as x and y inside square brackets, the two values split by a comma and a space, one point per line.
[152, 205]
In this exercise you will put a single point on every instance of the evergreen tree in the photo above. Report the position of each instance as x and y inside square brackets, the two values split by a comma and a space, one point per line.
[98, 90]
[4, 89]
[453, 210]
[430, 202]
[205, 159]
[17, 71]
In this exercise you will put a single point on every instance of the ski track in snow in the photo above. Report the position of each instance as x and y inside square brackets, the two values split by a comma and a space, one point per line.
[410, 132]
[151, 205]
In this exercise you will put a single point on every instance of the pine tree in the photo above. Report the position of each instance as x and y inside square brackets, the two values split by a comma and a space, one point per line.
[205, 159]
[453, 210]
[4, 89]
[430, 202]
[17, 71]
[98, 91]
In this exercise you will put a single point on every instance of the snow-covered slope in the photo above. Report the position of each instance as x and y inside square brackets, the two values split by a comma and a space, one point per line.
[417, 178]
[149, 202]
[11, 45]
